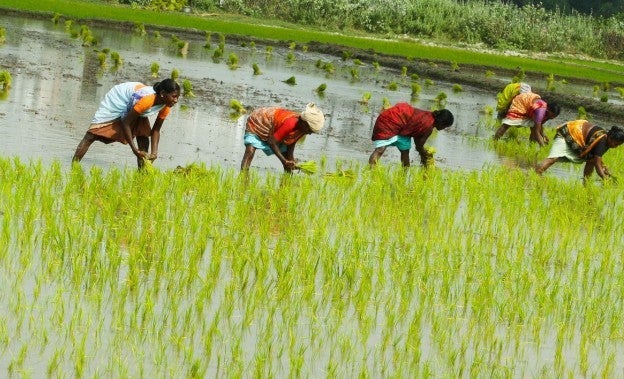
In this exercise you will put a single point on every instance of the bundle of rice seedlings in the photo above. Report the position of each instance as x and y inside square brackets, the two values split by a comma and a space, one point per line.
[307, 167]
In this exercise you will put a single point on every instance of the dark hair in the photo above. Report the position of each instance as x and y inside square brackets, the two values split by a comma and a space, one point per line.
[554, 108]
[616, 133]
[167, 86]
[443, 118]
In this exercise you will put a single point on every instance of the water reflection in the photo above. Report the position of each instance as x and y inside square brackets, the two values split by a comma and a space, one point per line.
[57, 84]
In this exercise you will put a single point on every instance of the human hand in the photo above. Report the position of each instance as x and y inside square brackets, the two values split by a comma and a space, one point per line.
[290, 165]
[152, 156]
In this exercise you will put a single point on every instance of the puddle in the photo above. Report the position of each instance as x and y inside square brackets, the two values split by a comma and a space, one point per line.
[57, 85]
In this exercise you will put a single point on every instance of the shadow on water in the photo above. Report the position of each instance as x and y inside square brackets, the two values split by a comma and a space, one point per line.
[57, 84]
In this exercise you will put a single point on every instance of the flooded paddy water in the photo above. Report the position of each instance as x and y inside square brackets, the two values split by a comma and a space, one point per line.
[58, 83]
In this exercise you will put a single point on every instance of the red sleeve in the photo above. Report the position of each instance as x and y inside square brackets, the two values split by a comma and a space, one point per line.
[287, 127]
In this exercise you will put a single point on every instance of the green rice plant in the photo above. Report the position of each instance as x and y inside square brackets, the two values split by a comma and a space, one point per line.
[232, 61]
[604, 98]
[550, 82]
[596, 90]
[187, 88]
[101, 56]
[346, 55]
[376, 65]
[268, 50]
[68, 25]
[182, 47]
[155, 69]
[429, 83]
[355, 74]
[307, 167]
[489, 74]
[414, 77]
[392, 86]
[357, 62]
[5, 80]
[404, 71]
[366, 96]
[175, 74]
[139, 29]
[290, 57]
[56, 18]
[290, 81]
[328, 67]
[156, 35]
[256, 69]
[321, 88]
[457, 88]
[620, 91]
[416, 89]
[2, 35]
[237, 108]
[454, 66]
[117, 61]
[440, 100]
[217, 55]
[385, 103]
[292, 45]
[519, 76]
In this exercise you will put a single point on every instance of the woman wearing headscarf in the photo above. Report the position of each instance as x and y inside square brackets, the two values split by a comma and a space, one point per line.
[581, 141]
[529, 110]
[399, 124]
[123, 116]
[276, 130]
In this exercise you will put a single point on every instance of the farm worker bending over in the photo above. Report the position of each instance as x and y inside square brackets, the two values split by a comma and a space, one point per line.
[580, 141]
[529, 109]
[504, 98]
[397, 125]
[276, 130]
[123, 115]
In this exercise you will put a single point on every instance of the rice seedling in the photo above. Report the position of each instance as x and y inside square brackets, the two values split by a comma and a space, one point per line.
[329, 68]
[321, 88]
[307, 167]
[385, 103]
[117, 61]
[489, 74]
[404, 71]
[429, 83]
[376, 66]
[182, 47]
[416, 89]
[440, 100]
[582, 113]
[5, 80]
[187, 88]
[155, 69]
[290, 81]
[290, 57]
[2, 35]
[292, 45]
[139, 29]
[604, 98]
[392, 86]
[156, 35]
[256, 69]
[457, 88]
[101, 56]
[232, 61]
[366, 96]
[237, 108]
[56, 18]
[175, 74]
[550, 82]
[355, 74]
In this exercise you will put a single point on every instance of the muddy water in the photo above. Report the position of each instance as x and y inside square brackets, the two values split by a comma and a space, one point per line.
[57, 85]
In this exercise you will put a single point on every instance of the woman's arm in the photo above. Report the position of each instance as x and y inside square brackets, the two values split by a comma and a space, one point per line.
[156, 137]
[126, 123]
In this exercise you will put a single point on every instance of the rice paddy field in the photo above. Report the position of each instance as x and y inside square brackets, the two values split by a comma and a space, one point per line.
[351, 272]
[472, 267]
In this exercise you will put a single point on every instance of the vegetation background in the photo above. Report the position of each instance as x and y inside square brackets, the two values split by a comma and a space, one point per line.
[594, 28]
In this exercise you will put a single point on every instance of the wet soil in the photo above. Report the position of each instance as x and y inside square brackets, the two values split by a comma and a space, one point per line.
[58, 82]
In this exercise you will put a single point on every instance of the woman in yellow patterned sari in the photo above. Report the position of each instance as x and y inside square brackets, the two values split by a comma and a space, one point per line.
[580, 141]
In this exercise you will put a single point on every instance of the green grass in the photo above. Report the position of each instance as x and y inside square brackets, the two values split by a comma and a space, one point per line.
[239, 25]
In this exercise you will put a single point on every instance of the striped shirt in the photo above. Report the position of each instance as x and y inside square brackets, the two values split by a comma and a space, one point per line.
[126, 96]
[279, 122]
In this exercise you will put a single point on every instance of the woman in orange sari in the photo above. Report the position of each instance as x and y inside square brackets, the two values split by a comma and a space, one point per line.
[580, 141]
